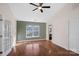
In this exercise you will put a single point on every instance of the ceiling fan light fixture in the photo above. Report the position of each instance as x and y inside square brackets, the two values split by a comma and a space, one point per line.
[39, 7]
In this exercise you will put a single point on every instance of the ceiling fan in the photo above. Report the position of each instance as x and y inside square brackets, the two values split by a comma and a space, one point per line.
[40, 7]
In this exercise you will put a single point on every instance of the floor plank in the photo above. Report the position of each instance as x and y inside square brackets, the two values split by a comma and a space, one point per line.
[39, 48]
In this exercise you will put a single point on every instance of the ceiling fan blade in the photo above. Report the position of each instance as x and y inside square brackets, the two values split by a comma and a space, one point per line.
[40, 4]
[45, 6]
[41, 10]
[34, 4]
[35, 9]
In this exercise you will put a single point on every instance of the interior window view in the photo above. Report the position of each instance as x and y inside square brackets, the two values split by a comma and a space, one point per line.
[32, 31]
[39, 29]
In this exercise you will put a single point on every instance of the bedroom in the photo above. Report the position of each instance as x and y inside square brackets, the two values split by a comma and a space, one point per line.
[60, 18]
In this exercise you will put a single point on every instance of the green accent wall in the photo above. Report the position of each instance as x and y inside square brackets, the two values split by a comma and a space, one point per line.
[21, 30]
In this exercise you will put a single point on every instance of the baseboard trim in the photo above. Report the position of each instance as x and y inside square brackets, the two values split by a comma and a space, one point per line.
[6, 53]
[30, 40]
[74, 50]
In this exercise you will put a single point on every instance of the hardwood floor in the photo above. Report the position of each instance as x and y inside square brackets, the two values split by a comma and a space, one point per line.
[39, 48]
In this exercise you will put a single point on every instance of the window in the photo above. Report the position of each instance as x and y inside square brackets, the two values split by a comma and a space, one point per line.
[32, 31]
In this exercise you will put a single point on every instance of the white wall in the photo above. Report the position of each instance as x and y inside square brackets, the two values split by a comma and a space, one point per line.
[60, 28]
[64, 35]
[74, 29]
[7, 15]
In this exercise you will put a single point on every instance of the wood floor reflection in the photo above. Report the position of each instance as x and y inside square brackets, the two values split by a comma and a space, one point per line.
[39, 48]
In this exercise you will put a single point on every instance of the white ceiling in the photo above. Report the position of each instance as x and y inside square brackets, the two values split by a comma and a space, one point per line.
[23, 11]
